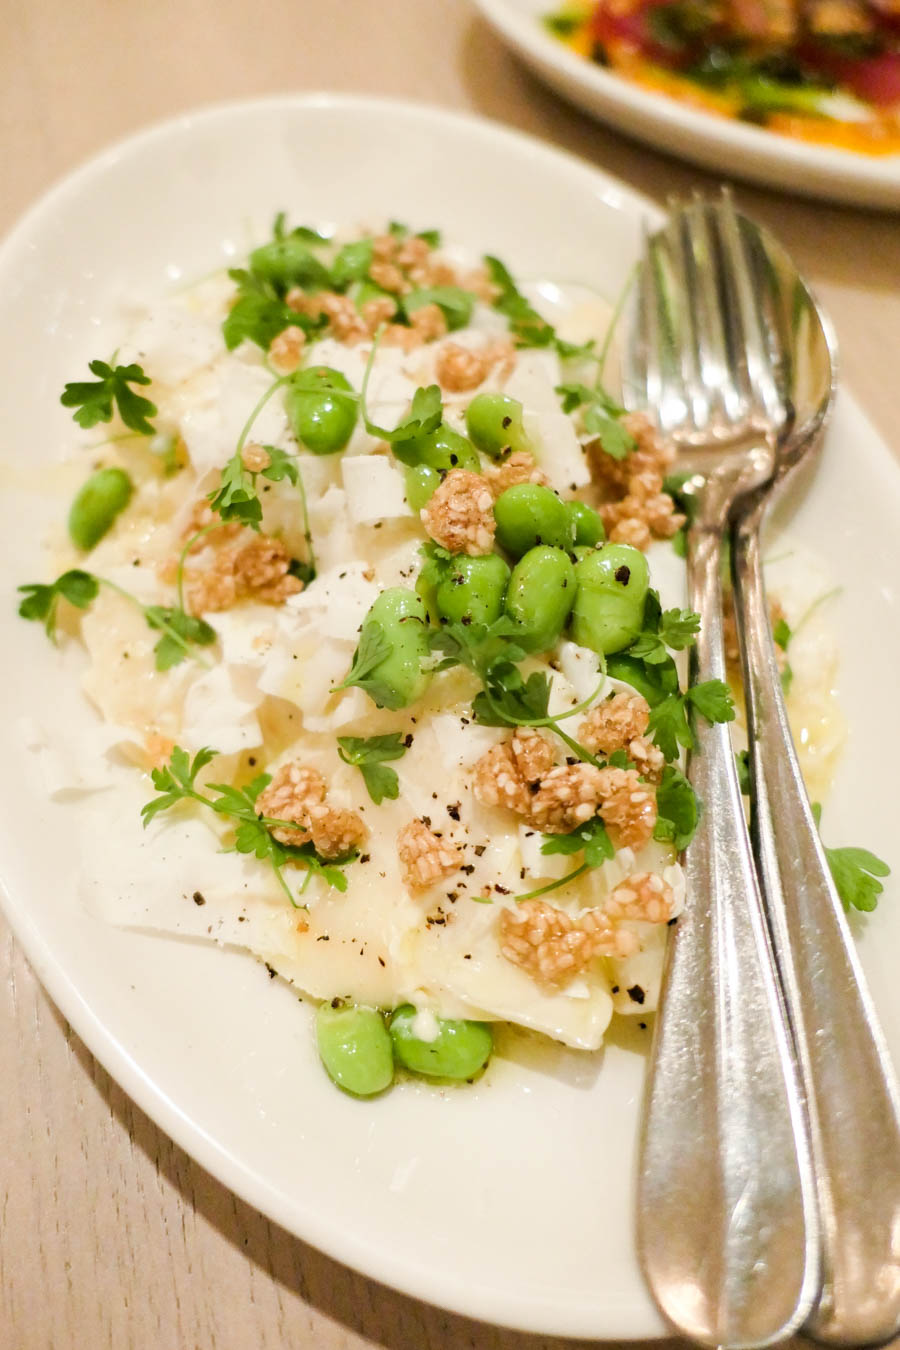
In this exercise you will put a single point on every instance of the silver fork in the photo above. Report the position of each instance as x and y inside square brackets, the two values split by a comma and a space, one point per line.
[727, 1218]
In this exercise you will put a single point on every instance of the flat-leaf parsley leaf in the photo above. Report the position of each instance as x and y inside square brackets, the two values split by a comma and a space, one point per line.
[855, 872]
[369, 755]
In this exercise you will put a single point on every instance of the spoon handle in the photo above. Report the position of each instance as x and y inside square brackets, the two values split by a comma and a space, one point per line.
[726, 1221]
[853, 1100]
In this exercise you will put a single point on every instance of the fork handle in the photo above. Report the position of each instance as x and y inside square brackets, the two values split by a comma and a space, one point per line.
[852, 1094]
[726, 1224]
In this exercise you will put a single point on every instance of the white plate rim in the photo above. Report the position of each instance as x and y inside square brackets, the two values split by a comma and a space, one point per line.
[717, 143]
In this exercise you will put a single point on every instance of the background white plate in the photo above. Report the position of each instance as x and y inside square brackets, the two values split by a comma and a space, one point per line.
[510, 1201]
[718, 143]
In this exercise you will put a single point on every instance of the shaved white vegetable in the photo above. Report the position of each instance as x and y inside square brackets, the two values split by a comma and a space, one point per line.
[375, 489]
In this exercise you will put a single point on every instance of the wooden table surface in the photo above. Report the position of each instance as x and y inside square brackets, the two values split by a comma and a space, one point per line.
[109, 1234]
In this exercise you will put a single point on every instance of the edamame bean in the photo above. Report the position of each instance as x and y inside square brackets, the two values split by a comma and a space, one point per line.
[321, 417]
[529, 514]
[96, 505]
[421, 483]
[459, 1050]
[444, 449]
[540, 595]
[355, 1048]
[398, 678]
[494, 422]
[609, 603]
[474, 590]
[588, 525]
[289, 262]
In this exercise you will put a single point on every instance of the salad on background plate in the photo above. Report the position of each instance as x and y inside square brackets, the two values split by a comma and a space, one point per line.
[825, 71]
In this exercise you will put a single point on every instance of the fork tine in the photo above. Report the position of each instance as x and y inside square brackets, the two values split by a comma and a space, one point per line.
[688, 345]
[638, 385]
[751, 356]
[663, 390]
[713, 354]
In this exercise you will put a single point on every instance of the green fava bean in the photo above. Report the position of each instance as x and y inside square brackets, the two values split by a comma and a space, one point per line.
[529, 514]
[421, 483]
[444, 449]
[588, 525]
[398, 678]
[474, 590]
[321, 416]
[96, 505]
[460, 1049]
[355, 1049]
[494, 422]
[609, 605]
[540, 595]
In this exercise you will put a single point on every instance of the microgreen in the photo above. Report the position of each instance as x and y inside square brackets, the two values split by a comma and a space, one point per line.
[601, 416]
[424, 416]
[176, 782]
[527, 326]
[259, 313]
[41, 601]
[782, 633]
[182, 633]
[670, 707]
[590, 838]
[674, 628]
[352, 263]
[685, 504]
[508, 698]
[400, 231]
[670, 720]
[236, 498]
[677, 809]
[306, 233]
[455, 303]
[373, 647]
[94, 399]
[855, 872]
[369, 755]
[742, 763]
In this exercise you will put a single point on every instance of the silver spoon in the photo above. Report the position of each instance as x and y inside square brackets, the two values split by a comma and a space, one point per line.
[852, 1094]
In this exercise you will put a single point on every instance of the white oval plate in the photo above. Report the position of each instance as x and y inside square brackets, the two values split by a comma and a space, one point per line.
[509, 1201]
[735, 149]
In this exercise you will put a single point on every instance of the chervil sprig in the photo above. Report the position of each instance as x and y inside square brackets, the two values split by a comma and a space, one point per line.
[95, 399]
[177, 782]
